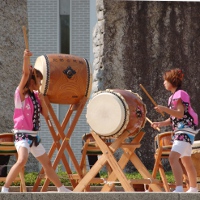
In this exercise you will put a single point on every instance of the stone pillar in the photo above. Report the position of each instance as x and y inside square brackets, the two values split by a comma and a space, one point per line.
[135, 42]
[13, 16]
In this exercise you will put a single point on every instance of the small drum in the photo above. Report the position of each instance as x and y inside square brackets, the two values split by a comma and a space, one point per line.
[66, 78]
[6, 137]
[110, 112]
[166, 138]
[196, 156]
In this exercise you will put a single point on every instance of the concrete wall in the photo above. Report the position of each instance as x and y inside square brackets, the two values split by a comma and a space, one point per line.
[43, 18]
[13, 16]
[100, 196]
[43, 39]
[135, 42]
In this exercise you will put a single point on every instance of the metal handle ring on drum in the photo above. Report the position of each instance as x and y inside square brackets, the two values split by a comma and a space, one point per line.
[145, 109]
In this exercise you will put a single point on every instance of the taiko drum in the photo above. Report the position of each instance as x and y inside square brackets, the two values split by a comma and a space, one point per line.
[66, 78]
[196, 156]
[6, 137]
[111, 112]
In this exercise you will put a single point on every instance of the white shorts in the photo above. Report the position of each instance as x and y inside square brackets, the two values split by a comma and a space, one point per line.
[36, 151]
[184, 148]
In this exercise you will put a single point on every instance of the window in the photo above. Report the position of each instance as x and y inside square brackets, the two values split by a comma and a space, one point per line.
[64, 26]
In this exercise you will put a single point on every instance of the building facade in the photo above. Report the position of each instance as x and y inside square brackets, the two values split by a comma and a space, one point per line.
[62, 26]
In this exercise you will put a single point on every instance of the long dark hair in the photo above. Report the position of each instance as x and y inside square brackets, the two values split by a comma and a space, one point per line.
[32, 74]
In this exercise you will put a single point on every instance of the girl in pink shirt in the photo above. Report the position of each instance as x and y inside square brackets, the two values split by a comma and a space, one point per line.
[184, 122]
[28, 106]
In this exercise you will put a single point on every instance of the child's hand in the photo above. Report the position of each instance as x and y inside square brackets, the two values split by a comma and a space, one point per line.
[27, 53]
[155, 125]
[41, 97]
[159, 108]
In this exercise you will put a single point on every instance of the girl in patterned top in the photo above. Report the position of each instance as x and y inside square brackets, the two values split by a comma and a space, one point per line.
[184, 122]
[28, 106]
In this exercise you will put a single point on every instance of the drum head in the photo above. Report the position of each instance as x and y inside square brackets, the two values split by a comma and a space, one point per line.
[196, 144]
[40, 64]
[106, 114]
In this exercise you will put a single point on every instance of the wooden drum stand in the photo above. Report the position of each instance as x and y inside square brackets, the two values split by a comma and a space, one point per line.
[123, 113]
[65, 142]
[117, 167]
[67, 79]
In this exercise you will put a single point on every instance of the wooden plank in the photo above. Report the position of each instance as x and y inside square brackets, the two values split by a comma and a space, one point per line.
[144, 172]
[144, 181]
[123, 160]
[112, 161]
[65, 143]
[86, 180]
[164, 178]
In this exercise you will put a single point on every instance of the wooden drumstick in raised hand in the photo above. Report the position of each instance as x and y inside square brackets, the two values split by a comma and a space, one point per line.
[25, 39]
[27, 47]
[151, 123]
[155, 104]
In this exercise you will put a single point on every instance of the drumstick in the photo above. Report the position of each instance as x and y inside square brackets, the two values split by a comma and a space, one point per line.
[27, 47]
[25, 40]
[155, 104]
[151, 123]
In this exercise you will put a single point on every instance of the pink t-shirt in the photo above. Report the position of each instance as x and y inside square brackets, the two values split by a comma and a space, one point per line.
[23, 112]
[190, 118]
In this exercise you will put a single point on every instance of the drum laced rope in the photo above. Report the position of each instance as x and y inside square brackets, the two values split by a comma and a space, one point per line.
[112, 182]
[109, 182]
[70, 177]
[47, 74]
[145, 185]
[88, 75]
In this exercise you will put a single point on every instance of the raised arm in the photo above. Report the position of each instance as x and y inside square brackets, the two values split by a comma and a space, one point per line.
[25, 73]
[44, 110]
[178, 113]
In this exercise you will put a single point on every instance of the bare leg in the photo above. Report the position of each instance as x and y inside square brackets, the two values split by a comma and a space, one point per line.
[191, 171]
[49, 171]
[176, 167]
[17, 167]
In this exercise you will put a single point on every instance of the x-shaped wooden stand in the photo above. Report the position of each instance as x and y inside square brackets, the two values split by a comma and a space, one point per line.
[117, 167]
[61, 147]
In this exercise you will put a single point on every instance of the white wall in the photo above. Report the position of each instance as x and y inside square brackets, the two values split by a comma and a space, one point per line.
[43, 19]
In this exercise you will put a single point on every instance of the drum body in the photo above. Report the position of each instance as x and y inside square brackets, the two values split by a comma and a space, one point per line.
[167, 138]
[6, 137]
[111, 112]
[66, 78]
[196, 156]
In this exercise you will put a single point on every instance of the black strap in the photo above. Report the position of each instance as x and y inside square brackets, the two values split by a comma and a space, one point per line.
[35, 140]
[23, 136]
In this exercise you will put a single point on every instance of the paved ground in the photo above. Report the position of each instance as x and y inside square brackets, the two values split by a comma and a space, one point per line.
[99, 196]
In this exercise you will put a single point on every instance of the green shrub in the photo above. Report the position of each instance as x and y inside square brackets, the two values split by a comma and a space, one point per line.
[30, 178]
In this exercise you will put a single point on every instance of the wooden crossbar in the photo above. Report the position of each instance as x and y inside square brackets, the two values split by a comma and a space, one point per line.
[116, 173]
[64, 144]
